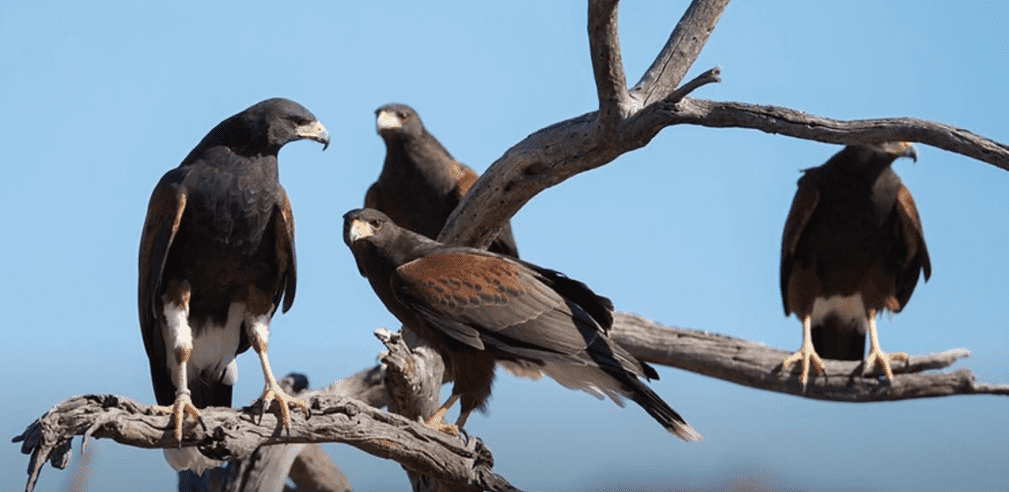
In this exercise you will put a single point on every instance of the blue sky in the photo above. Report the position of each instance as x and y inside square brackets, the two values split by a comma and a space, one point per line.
[99, 99]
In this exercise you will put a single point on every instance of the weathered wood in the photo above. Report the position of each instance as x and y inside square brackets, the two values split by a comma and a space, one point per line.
[414, 375]
[759, 366]
[680, 51]
[236, 433]
[793, 123]
[553, 154]
[314, 471]
[543, 159]
[604, 47]
[266, 470]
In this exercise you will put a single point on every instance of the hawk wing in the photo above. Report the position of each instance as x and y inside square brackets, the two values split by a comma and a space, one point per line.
[484, 300]
[916, 254]
[803, 205]
[164, 213]
[286, 259]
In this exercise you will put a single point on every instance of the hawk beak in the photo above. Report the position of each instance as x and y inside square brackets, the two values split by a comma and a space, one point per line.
[899, 149]
[909, 151]
[387, 121]
[314, 131]
[359, 229]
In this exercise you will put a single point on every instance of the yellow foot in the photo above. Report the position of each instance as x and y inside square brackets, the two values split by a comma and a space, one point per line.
[437, 422]
[806, 355]
[274, 393]
[882, 358]
[183, 406]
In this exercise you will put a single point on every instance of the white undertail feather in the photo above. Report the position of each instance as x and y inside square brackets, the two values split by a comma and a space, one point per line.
[589, 379]
[214, 348]
[596, 382]
[189, 459]
[847, 308]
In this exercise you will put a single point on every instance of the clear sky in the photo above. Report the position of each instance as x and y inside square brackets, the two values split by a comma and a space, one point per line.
[99, 99]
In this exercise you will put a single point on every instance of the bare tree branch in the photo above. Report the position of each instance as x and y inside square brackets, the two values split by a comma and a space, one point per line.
[235, 433]
[314, 471]
[759, 366]
[268, 468]
[560, 151]
[710, 76]
[626, 121]
[414, 375]
[554, 154]
[557, 152]
[442, 462]
[680, 51]
[265, 470]
[604, 45]
[785, 121]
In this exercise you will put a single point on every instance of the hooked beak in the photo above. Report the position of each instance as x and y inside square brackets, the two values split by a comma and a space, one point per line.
[314, 131]
[359, 229]
[387, 120]
[910, 151]
[901, 149]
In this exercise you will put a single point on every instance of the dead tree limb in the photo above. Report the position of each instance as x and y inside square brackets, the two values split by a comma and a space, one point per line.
[314, 471]
[235, 433]
[414, 375]
[759, 366]
[628, 120]
[625, 120]
[785, 121]
[267, 468]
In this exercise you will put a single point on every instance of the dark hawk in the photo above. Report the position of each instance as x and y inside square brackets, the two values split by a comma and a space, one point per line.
[216, 261]
[420, 183]
[852, 247]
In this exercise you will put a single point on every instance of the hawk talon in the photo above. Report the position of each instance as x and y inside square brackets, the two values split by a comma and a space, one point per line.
[177, 412]
[883, 359]
[807, 356]
[441, 426]
[274, 393]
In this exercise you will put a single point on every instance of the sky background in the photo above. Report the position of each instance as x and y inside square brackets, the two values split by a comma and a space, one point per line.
[99, 99]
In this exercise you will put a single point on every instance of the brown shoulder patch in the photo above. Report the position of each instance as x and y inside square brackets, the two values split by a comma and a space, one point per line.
[285, 254]
[463, 176]
[461, 275]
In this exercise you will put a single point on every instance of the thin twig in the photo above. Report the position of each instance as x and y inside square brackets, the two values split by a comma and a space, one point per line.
[710, 76]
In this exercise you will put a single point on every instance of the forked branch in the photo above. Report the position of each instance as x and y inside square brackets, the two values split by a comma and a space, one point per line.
[555, 153]
[628, 120]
